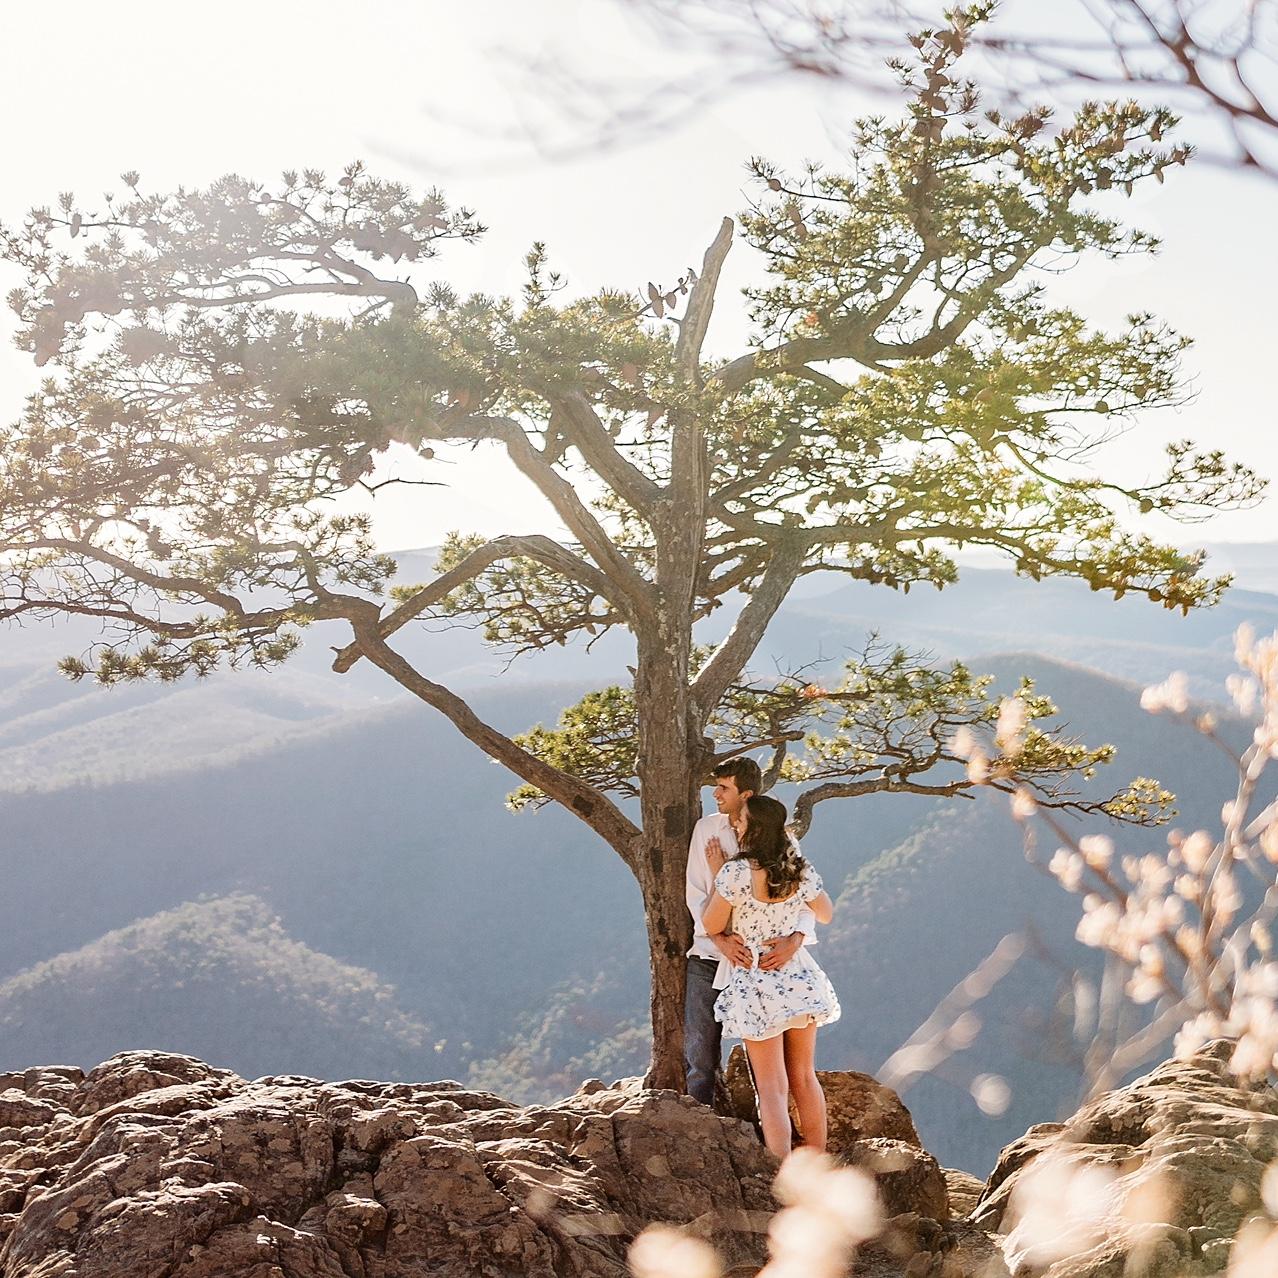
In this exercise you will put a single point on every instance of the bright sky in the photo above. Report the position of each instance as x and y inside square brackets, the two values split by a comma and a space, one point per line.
[442, 93]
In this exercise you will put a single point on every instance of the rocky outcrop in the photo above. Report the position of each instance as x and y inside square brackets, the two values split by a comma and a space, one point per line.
[870, 1128]
[1149, 1181]
[162, 1165]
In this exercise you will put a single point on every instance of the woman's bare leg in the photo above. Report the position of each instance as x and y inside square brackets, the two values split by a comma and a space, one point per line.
[767, 1064]
[799, 1052]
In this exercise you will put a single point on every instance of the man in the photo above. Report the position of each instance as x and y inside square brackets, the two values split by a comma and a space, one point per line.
[735, 782]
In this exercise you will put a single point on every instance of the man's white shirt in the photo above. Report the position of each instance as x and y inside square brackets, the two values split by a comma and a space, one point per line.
[700, 883]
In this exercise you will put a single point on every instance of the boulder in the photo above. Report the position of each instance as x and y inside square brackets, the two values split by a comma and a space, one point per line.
[858, 1107]
[868, 1126]
[909, 1179]
[1151, 1180]
[963, 1191]
[154, 1163]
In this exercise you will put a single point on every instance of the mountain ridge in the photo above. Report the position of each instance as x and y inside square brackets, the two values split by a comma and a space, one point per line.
[379, 838]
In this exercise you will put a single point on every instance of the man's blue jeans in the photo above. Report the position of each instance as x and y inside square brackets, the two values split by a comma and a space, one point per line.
[702, 1034]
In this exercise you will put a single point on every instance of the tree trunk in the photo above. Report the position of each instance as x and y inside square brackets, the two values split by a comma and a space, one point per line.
[670, 767]
[672, 752]
[669, 935]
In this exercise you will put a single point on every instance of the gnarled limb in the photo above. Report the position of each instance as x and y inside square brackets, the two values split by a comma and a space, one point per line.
[731, 656]
[631, 591]
[801, 817]
[543, 549]
[580, 426]
[581, 799]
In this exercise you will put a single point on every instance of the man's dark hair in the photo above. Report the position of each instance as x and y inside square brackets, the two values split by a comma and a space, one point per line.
[744, 771]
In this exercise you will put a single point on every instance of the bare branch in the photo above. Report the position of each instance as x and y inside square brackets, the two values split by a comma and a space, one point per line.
[696, 319]
[885, 782]
[635, 592]
[581, 799]
[731, 656]
[543, 549]
[580, 426]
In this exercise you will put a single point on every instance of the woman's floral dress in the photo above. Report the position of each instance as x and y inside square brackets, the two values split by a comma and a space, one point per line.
[756, 1004]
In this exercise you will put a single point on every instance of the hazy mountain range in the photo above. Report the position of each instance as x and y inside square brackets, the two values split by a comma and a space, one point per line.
[299, 872]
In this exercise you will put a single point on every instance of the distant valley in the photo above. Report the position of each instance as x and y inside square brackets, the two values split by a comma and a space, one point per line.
[297, 872]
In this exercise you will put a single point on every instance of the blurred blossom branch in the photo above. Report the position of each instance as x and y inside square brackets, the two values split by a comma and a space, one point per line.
[827, 1213]
[953, 1026]
[1218, 60]
[1188, 930]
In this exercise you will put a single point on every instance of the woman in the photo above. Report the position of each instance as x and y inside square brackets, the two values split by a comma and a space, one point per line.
[776, 1014]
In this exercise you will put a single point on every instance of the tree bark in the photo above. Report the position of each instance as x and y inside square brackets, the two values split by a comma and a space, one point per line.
[669, 935]
[673, 754]
[670, 767]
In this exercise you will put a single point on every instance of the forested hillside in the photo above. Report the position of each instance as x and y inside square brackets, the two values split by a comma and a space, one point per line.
[287, 873]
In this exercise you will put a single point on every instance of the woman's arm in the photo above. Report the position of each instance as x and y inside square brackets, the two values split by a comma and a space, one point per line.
[716, 915]
[822, 907]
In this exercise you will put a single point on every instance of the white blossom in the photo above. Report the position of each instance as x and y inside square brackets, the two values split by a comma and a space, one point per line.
[1244, 640]
[1188, 887]
[1226, 898]
[1194, 1033]
[1149, 981]
[1009, 732]
[663, 1252]
[1097, 850]
[1189, 942]
[1099, 925]
[1255, 1253]
[991, 1093]
[1196, 851]
[1257, 1047]
[1172, 694]
[829, 1211]
[1244, 692]
[1269, 1189]
[1152, 874]
[1061, 1206]
[1269, 841]
[1068, 868]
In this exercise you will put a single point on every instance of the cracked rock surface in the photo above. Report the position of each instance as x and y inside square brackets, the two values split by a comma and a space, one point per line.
[160, 1166]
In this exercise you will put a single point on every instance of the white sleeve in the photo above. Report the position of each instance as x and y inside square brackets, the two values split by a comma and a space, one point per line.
[807, 925]
[733, 882]
[699, 883]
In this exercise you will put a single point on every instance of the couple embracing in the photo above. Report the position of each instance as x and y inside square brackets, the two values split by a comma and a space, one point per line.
[755, 903]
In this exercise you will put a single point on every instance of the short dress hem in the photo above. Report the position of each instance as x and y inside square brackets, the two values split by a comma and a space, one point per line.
[756, 1004]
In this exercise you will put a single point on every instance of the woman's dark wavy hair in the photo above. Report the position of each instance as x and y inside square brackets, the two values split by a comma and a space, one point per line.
[767, 845]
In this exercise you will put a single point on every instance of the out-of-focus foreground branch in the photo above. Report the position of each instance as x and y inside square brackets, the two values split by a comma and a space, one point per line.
[1220, 61]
